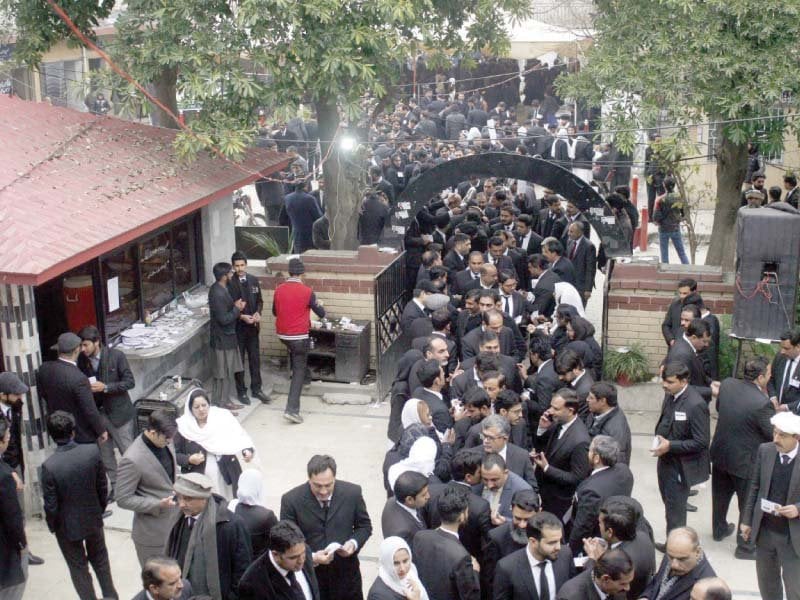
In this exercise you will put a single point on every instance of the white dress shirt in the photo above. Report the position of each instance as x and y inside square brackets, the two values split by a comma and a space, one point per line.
[298, 575]
[548, 573]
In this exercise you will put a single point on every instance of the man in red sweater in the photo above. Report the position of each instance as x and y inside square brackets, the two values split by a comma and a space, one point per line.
[291, 305]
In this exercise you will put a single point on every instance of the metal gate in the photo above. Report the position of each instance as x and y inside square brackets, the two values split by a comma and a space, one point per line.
[390, 343]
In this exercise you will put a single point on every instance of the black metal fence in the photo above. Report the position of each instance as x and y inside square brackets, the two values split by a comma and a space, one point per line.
[390, 343]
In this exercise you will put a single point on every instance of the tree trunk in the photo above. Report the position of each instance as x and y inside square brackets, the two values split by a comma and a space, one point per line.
[341, 182]
[165, 90]
[731, 168]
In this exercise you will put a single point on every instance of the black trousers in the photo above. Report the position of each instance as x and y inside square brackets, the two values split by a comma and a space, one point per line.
[340, 580]
[723, 486]
[298, 362]
[78, 555]
[247, 338]
[674, 491]
[776, 559]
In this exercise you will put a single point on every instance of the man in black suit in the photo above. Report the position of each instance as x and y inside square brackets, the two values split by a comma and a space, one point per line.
[542, 285]
[510, 536]
[552, 222]
[608, 478]
[606, 417]
[470, 277]
[495, 433]
[498, 255]
[671, 326]
[538, 571]
[528, 241]
[457, 258]
[685, 351]
[400, 515]
[617, 521]
[784, 382]
[64, 387]
[162, 580]
[285, 571]
[445, 568]
[775, 485]
[226, 361]
[110, 378]
[75, 495]
[489, 346]
[416, 308]
[582, 254]
[541, 384]
[302, 210]
[245, 286]
[513, 303]
[684, 564]
[562, 452]
[440, 324]
[13, 559]
[465, 472]
[572, 373]
[610, 576]
[432, 381]
[681, 443]
[327, 510]
[491, 320]
[553, 251]
[743, 425]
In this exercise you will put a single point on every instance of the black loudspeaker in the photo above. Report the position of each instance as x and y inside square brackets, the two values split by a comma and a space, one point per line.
[767, 268]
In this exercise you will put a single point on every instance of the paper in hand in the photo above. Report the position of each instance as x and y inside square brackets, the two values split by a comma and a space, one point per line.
[332, 547]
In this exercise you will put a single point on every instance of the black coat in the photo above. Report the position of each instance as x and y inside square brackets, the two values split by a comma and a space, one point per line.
[584, 259]
[12, 530]
[479, 521]
[372, 218]
[581, 586]
[682, 352]
[689, 436]
[643, 555]
[115, 372]
[470, 343]
[589, 497]
[411, 311]
[615, 425]
[262, 581]
[569, 465]
[564, 268]
[346, 518]
[258, 521]
[224, 316]
[454, 262]
[380, 591]
[75, 491]
[498, 545]
[508, 366]
[671, 326]
[250, 292]
[518, 461]
[513, 579]
[541, 384]
[791, 392]
[444, 566]
[438, 407]
[395, 520]
[303, 210]
[743, 425]
[13, 456]
[64, 387]
[683, 586]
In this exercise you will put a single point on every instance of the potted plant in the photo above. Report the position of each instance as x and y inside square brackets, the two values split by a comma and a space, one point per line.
[626, 365]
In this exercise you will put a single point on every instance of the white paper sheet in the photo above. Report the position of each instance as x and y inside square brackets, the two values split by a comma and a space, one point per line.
[112, 289]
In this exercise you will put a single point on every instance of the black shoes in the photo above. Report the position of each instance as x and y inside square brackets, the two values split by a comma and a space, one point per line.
[34, 560]
[693, 492]
[260, 395]
[661, 547]
[691, 507]
[729, 529]
[293, 418]
[744, 554]
[244, 399]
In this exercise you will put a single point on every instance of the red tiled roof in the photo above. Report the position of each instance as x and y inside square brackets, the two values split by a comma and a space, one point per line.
[74, 186]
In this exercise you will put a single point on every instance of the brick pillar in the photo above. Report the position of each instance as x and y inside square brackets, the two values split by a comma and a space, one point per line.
[19, 335]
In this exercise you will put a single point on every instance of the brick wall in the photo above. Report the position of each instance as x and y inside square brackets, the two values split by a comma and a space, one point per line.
[640, 292]
[342, 280]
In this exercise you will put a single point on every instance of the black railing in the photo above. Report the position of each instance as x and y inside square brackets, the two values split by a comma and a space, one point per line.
[390, 344]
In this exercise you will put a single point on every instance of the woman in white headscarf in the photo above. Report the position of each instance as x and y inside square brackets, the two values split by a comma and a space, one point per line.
[249, 505]
[565, 293]
[397, 576]
[421, 458]
[416, 411]
[210, 440]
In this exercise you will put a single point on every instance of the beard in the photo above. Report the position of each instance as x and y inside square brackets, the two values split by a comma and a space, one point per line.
[520, 536]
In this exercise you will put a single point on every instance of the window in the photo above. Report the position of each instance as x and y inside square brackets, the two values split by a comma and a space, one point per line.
[762, 134]
[184, 255]
[155, 265]
[122, 266]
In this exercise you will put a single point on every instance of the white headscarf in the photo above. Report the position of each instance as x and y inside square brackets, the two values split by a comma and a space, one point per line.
[222, 434]
[389, 547]
[250, 490]
[421, 458]
[566, 293]
[410, 414]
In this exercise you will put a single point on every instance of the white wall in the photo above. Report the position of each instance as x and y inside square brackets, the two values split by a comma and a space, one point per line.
[218, 234]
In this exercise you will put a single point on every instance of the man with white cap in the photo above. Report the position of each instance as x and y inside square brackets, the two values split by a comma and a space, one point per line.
[64, 387]
[771, 514]
[209, 542]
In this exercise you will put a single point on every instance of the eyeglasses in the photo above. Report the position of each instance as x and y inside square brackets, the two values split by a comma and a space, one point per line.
[492, 438]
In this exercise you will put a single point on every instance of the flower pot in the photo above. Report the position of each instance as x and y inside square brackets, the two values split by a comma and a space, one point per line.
[623, 379]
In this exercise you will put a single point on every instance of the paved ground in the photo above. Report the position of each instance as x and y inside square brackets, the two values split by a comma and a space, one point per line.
[355, 436]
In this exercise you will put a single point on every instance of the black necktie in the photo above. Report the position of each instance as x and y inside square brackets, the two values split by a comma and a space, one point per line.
[297, 591]
[544, 588]
[787, 377]
[785, 459]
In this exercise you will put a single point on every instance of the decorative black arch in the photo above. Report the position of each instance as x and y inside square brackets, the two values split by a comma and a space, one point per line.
[514, 166]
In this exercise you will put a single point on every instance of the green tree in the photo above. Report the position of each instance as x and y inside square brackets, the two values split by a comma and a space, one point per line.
[683, 61]
[230, 58]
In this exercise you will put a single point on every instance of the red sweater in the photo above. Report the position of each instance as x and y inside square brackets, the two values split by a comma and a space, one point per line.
[291, 306]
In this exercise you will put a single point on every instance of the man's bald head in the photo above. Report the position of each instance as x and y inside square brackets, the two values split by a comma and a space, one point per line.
[711, 588]
[683, 551]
